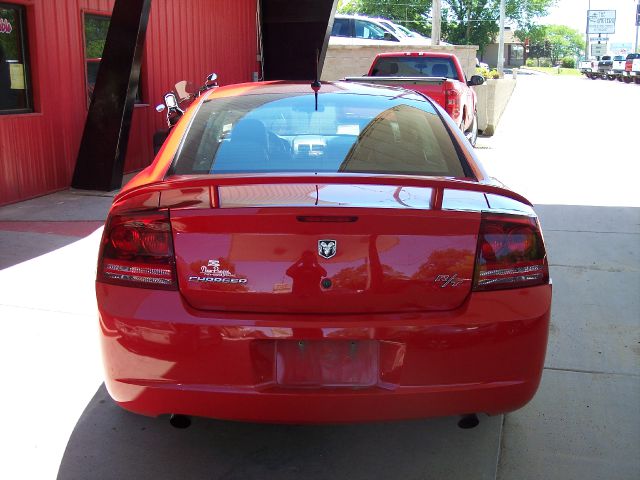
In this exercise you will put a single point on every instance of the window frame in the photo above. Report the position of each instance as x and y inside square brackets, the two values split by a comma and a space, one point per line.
[24, 44]
[139, 101]
[349, 23]
[85, 58]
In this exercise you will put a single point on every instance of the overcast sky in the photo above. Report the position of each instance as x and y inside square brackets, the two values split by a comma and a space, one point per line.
[573, 13]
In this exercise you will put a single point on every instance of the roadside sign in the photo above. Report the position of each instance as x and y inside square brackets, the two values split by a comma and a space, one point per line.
[599, 39]
[620, 48]
[598, 49]
[601, 21]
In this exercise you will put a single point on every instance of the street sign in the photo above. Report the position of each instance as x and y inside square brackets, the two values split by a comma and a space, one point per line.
[601, 21]
[599, 39]
[620, 48]
[598, 49]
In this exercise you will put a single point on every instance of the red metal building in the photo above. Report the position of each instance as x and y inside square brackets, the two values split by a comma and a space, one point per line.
[47, 50]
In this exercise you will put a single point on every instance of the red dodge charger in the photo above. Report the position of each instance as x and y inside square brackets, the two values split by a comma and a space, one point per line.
[333, 256]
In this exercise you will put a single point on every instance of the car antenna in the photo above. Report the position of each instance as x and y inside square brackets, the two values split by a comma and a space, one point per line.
[315, 85]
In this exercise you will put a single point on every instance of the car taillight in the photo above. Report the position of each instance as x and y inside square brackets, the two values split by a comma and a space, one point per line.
[510, 253]
[452, 100]
[137, 251]
[627, 66]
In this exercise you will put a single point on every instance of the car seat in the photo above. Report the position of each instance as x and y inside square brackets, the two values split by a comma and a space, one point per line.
[440, 70]
[386, 69]
[246, 151]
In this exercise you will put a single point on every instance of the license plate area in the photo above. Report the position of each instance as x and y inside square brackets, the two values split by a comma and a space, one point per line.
[327, 363]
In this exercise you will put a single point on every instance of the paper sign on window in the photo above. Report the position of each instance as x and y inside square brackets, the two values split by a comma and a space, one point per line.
[16, 72]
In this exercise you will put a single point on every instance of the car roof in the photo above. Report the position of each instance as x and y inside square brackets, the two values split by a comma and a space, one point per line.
[417, 54]
[281, 87]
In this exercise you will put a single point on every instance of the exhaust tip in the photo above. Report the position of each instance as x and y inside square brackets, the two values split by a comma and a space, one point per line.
[468, 421]
[179, 421]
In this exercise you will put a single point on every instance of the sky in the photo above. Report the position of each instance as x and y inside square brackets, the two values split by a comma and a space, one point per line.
[573, 13]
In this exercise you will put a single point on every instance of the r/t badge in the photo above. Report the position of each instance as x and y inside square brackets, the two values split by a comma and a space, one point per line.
[449, 280]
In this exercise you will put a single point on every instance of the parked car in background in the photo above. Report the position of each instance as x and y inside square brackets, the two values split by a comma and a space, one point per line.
[412, 34]
[435, 74]
[359, 29]
[632, 68]
[404, 33]
[480, 64]
[392, 27]
[604, 64]
[320, 253]
[588, 66]
[618, 64]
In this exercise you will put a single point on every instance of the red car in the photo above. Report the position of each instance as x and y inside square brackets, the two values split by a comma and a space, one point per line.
[437, 75]
[334, 258]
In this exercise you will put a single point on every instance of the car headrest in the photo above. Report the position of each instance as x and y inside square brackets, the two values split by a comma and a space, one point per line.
[249, 130]
[440, 70]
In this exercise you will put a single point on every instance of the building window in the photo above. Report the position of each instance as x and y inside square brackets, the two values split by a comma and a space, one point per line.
[15, 84]
[516, 55]
[95, 36]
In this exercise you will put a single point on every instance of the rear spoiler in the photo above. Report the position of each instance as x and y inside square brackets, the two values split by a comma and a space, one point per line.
[202, 191]
[397, 81]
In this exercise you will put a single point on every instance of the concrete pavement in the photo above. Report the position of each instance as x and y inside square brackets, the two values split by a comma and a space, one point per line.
[44, 224]
[564, 142]
[584, 423]
[63, 422]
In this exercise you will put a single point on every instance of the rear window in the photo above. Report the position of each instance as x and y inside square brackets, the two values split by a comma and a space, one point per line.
[351, 133]
[413, 66]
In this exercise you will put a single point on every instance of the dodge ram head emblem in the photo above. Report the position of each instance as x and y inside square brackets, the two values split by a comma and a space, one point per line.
[327, 248]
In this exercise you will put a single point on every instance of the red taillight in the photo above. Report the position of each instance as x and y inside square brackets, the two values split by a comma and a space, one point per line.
[452, 100]
[510, 253]
[627, 65]
[137, 251]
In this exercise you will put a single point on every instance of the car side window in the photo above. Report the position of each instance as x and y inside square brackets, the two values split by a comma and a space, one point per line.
[341, 28]
[368, 30]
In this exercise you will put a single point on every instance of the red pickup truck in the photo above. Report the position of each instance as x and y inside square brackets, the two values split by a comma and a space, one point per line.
[437, 75]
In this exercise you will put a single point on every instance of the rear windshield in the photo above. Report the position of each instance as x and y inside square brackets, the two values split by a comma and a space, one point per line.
[351, 133]
[412, 66]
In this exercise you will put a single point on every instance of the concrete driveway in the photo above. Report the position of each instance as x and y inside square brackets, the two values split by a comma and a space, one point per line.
[584, 423]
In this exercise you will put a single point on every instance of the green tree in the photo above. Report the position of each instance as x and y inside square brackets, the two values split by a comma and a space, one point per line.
[475, 22]
[536, 36]
[552, 41]
[470, 22]
[564, 42]
[95, 32]
[413, 14]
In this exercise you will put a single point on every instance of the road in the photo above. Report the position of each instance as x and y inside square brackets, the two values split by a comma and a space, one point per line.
[566, 144]
[567, 140]
[584, 423]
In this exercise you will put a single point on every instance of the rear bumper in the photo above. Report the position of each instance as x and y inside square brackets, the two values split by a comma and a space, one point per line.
[161, 356]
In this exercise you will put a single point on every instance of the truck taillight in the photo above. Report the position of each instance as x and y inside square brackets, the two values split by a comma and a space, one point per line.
[137, 251]
[510, 253]
[452, 100]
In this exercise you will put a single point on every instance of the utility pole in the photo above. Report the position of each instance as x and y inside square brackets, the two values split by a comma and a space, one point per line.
[637, 24]
[501, 41]
[586, 42]
[435, 22]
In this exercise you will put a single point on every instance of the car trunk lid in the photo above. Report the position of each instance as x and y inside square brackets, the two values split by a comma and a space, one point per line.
[328, 248]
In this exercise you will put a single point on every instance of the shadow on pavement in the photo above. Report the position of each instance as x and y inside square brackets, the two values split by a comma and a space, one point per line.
[22, 241]
[109, 442]
[41, 225]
